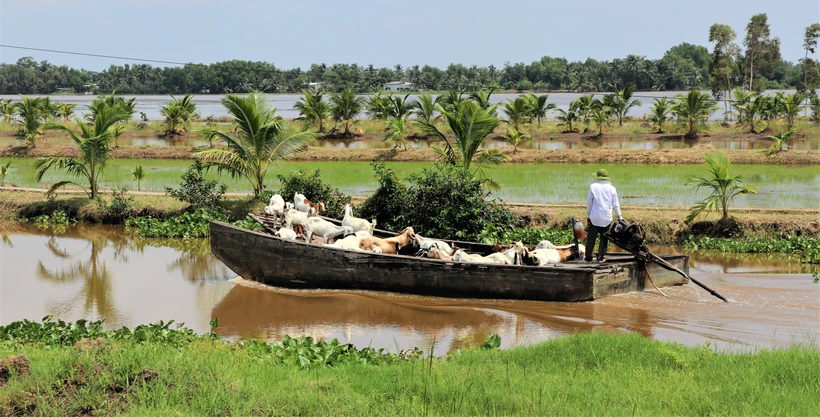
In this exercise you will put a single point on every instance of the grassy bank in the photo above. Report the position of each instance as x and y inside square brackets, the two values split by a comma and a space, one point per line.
[648, 184]
[582, 374]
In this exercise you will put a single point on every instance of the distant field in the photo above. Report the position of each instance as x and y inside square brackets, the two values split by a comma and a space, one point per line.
[778, 186]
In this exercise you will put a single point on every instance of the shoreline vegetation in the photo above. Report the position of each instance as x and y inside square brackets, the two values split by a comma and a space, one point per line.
[57, 368]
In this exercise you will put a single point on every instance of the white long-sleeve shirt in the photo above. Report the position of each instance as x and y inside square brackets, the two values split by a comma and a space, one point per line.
[601, 200]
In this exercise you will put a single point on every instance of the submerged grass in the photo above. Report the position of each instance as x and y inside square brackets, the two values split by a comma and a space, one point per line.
[581, 374]
[650, 185]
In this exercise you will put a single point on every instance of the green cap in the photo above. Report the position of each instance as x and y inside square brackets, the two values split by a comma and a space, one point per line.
[602, 174]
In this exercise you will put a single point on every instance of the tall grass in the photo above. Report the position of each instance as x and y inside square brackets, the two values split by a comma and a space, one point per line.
[582, 374]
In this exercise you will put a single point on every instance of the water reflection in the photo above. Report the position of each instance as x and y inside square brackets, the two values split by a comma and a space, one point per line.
[98, 272]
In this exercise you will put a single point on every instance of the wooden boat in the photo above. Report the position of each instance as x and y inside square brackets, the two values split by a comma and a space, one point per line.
[265, 258]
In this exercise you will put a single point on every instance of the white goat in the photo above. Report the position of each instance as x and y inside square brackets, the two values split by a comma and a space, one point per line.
[328, 230]
[350, 243]
[506, 258]
[425, 243]
[276, 207]
[544, 244]
[286, 233]
[356, 223]
[295, 217]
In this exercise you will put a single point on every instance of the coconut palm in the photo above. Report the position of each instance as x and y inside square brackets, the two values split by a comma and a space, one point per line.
[784, 138]
[379, 107]
[569, 116]
[600, 115]
[345, 107]
[791, 106]
[740, 101]
[138, 174]
[693, 109]
[622, 101]
[262, 139]
[113, 101]
[66, 110]
[425, 108]
[397, 132]
[4, 170]
[93, 141]
[515, 137]
[178, 114]
[449, 101]
[659, 113]
[400, 106]
[31, 119]
[518, 111]
[313, 109]
[724, 187]
[539, 106]
[470, 125]
[586, 104]
[482, 98]
[6, 110]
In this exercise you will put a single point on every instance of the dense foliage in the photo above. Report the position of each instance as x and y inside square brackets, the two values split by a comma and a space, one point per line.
[302, 351]
[444, 201]
[683, 67]
[196, 190]
[314, 189]
[807, 247]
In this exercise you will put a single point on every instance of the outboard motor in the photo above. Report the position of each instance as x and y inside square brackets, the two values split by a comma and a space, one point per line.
[628, 235]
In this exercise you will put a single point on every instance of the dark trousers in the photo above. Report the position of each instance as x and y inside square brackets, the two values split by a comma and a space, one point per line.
[592, 232]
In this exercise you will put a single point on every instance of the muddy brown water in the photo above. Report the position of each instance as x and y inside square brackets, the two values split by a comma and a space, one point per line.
[97, 272]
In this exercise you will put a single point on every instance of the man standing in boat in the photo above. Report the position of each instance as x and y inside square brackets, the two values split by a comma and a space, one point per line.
[601, 200]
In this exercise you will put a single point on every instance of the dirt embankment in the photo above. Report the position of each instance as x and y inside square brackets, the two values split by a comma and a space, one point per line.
[598, 155]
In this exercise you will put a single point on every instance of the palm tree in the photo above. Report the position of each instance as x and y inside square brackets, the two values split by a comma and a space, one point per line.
[178, 113]
[724, 186]
[6, 110]
[539, 106]
[138, 174]
[516, 137]
[66, 110]
[600, 115]
[784, 138]
[400, 106]
[262, 139]
[313, 109]
[30, 111]
[345, 107]
[518, 111]
[449, 101]
[791, 106]
[659, 113]
[586, 104]
[622, 101]
[482, 98]
[425, 108]
[470, 125]
[119, 104]
[93, 142]
[693, 109]
[397, 132]
[741, 99]
[379, 107]
[4, 170]
[569, 116]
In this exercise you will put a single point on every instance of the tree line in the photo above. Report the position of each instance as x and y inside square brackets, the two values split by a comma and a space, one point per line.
[757, 66]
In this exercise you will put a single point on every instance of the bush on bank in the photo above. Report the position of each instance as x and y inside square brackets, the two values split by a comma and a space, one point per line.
[158, 369]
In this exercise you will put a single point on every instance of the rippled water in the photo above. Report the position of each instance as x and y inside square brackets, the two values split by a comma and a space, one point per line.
[98, 272]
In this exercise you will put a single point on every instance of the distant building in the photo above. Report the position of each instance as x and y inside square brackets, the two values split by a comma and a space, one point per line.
[314, 86]
[399, 86]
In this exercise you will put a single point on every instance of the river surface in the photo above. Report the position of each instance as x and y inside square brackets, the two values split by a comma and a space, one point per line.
[96, 272]
[209, 105]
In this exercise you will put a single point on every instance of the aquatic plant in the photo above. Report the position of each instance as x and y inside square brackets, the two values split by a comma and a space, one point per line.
[807, 248]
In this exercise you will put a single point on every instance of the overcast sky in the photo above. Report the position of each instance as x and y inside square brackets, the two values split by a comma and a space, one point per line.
[293, 33]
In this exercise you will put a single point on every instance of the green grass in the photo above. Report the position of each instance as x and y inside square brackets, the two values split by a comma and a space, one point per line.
[582, 374]
[778, 186]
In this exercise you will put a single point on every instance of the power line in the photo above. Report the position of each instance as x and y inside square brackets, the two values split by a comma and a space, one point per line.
[93, 55]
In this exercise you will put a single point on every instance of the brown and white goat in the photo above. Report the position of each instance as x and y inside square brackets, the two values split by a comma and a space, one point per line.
[389, 245]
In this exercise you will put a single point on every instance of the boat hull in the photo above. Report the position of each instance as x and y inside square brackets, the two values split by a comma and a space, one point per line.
[273, 261]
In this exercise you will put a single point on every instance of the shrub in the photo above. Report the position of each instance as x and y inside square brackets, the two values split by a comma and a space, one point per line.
[118, 209]
[445, 202]
[196, 190]
[187, 225]
[386, 205]
[314, 190]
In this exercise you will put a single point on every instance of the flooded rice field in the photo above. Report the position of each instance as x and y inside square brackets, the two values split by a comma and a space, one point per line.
[97, 272]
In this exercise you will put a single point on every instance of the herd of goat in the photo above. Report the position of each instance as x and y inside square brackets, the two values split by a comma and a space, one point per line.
[301, 219]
